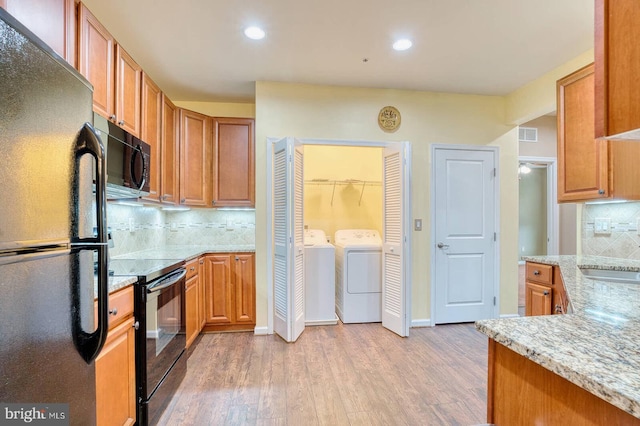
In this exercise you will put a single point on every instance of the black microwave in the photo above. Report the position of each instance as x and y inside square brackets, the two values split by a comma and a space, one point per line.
[128, 160]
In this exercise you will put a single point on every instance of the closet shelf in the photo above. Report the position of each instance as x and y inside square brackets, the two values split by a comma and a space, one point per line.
[334, 183]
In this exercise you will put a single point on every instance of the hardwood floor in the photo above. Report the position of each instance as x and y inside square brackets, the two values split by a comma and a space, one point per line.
[354, 374]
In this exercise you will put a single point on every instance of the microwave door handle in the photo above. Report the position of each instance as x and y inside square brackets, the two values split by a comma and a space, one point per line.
[139, 183]
[90, 344]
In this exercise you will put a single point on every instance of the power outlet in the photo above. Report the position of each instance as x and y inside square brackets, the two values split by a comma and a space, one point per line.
[602, 225]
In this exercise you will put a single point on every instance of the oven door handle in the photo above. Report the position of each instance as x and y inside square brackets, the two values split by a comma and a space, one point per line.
[170, 280]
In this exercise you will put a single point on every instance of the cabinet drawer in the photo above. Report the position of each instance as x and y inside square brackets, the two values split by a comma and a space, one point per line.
[120, 306]
[192, 268]
[539, 273]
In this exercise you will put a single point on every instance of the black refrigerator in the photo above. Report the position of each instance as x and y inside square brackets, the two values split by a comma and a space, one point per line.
[52, 230]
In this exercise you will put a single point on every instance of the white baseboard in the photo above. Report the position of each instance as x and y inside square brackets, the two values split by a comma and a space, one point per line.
[421, 323]
[261, 331]
[509, 316]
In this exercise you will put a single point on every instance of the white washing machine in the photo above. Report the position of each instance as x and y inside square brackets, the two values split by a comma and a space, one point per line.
[319, 279]
[358, 275]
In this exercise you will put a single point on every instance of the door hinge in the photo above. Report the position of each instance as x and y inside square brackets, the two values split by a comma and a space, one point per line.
[494, 301]
[494, 172]
[495, 237]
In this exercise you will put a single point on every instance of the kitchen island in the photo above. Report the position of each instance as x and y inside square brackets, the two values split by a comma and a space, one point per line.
[594, 350]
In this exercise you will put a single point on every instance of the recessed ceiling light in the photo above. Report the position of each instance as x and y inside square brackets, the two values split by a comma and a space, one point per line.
[254, 33]
[402, 44]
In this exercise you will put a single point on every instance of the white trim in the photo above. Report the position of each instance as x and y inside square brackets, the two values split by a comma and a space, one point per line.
[261, 331]
[497, 201]
[269, 225]
[553, 209]
[421, 323]
[509, 316]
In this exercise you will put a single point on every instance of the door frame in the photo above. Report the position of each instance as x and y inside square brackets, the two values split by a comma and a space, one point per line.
[432, 212]
[408, 270]
[553, 209]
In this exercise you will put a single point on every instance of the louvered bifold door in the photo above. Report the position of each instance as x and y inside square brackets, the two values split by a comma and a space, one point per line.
[393, 288]
[280, 238]
[288, 234]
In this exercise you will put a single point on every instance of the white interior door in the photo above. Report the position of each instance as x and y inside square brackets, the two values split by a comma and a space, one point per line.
[288, 235]
[464, 184]
[395, 309]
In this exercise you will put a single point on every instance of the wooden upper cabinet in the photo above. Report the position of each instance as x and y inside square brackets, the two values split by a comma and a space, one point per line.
[170, 153]
[128, 91]
[95, 61]
[53, 21]
[195, 159]
[151, 132]
[115, 76]
[234, 162]
[617, 59]
[582, 160]
[589, 168]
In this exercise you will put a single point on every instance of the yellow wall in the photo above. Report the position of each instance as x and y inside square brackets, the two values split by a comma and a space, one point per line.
[220, 109]
[330, 203]
[538, 97]
[324, 112]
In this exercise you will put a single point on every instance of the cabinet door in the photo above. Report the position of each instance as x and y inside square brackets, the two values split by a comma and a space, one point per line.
[244, 288]
[202, 316]
[218, 292]
[234, 168]
[128, 89]
[582, 160]
[54, 21]
[170, 153]
[191, 308]
[151, 132]
[95, 61]
[537, 299]
[116, 378]
[617, 58]
[195, 159]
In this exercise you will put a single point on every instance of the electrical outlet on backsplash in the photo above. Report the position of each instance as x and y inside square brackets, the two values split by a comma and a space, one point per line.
[154, 228]
[622, 238]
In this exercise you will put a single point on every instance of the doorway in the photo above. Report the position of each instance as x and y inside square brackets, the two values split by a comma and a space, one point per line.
[285, 175]
[464, 199]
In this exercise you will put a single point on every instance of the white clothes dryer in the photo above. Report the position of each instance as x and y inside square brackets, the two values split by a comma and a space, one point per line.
[319, 279]
[358, 275]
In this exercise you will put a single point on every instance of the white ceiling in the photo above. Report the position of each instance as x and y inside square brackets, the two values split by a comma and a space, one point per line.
[196, 50]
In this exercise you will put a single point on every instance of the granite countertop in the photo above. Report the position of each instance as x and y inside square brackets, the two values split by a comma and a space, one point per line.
[186, 252]
[597, 346]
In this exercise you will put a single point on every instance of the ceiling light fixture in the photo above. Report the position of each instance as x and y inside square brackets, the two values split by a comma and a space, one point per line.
[254, 33]
[402, 44]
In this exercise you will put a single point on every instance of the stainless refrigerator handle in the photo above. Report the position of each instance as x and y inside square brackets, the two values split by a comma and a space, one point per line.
[90, 344]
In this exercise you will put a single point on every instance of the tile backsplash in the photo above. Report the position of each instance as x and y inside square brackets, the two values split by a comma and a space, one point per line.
[140, 228]
[611, 230]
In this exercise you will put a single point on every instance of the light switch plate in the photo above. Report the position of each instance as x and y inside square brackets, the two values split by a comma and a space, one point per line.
[602, 225]
[417, 224]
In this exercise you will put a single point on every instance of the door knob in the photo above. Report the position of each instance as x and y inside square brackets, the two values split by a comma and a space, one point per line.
[443, 246]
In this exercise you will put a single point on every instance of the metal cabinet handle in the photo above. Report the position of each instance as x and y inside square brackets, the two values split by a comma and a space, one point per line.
[546, 293]
[536, 272]
[113, 311]
[182, 201]
[193, 268]
[237, 258]
[136, 325]
[559, 309]
[121, 123]
[112, 117]
[443, 246]
[601, 192]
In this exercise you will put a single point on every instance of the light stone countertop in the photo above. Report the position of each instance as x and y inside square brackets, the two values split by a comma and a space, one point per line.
[187, 252]
[597, 346]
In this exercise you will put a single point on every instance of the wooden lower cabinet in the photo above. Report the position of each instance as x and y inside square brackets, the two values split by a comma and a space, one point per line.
[192, 302]
[229, 291]
[521, 392]
[115, 366]
[544, 290]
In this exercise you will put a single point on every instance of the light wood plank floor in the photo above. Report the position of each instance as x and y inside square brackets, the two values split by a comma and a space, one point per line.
[354, 374]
